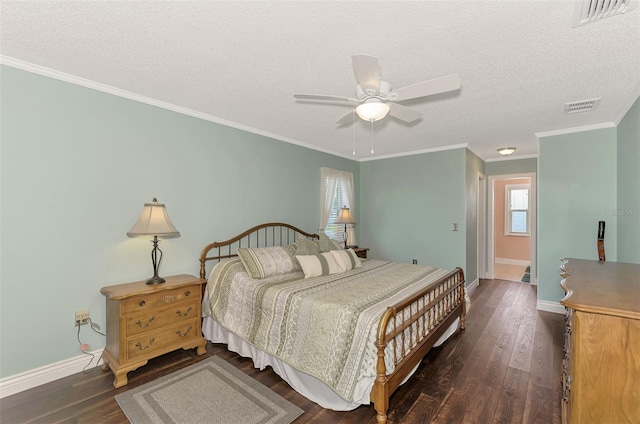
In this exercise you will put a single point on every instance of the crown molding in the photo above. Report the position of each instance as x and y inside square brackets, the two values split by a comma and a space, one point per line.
[416, 152]
[502, 159]
[575, 130]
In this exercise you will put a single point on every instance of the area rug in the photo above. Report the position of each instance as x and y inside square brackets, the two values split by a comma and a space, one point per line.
[526, 278]
[211, 391]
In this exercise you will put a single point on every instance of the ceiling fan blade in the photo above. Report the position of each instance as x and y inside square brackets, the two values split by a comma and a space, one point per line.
[323, 97]
[426, 88]
[403, 113]
[367, 70]
[346, 119]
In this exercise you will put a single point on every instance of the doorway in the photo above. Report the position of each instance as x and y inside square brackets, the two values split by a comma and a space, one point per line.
[511, 229]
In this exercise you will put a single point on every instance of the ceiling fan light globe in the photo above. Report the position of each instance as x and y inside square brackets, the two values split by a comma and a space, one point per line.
[373, 111]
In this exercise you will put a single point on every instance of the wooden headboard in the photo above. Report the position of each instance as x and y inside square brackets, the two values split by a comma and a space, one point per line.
[263, 235]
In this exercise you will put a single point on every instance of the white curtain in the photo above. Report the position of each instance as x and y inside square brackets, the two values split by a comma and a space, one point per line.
[329, 180]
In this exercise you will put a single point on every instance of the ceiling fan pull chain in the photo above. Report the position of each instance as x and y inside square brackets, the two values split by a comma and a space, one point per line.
[372, 136]
[354, 133]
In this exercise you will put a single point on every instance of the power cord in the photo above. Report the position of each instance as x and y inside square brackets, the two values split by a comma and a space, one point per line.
[84, 347]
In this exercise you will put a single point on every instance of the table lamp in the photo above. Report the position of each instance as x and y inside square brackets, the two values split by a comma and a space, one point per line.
[154, 221]
[345, 217]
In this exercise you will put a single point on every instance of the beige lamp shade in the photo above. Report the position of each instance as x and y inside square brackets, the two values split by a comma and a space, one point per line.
[345, 217]
[154, 221]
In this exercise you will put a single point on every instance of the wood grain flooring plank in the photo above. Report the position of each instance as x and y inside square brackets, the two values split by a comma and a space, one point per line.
[481, 400]
[541, 367]
[511, 404]
[523, 349]
[501, 290]
[452, 408]
[422, 411]
[539, 405]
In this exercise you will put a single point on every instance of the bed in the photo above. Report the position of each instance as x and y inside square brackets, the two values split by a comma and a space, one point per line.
[349, 334]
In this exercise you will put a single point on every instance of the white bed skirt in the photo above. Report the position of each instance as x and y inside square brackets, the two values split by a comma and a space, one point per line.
[308, 386]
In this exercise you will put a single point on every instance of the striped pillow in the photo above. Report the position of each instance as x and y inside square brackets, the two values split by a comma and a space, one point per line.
[262, 262]
[346, 259]
[320, 264]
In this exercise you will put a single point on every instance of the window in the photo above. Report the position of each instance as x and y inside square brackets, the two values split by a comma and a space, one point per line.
[336, 192]
[335, 231]
[516, 209]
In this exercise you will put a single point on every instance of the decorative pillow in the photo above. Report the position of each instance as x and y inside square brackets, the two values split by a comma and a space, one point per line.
[326, 244]
[307, 247]
[320, 264]
[262, 262]
[346, 259]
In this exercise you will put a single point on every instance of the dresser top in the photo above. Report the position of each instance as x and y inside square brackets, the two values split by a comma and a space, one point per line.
[611, 288]
[122, 291]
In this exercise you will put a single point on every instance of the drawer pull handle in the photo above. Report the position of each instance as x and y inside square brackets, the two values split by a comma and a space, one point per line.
[181, 334]
[147, 324]
[188, 293]
[142, 303]
[183, 314]
[139, 346]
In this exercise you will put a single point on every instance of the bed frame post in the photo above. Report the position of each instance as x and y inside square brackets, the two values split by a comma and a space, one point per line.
[380, 392]
[463, 294]
[380, 388]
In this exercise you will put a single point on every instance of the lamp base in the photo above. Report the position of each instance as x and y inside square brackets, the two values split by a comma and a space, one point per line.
[155, 280]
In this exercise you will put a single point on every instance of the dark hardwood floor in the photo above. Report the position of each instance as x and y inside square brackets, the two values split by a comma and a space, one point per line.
[504, 368]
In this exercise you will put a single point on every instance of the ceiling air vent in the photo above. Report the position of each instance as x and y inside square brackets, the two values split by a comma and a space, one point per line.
[581, 106]
[588, 11]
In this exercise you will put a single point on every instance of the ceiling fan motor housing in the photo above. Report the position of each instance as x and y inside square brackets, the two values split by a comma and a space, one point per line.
[383, 91]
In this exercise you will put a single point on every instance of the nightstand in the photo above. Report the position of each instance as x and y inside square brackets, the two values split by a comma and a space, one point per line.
[361, 252]
[149, 320]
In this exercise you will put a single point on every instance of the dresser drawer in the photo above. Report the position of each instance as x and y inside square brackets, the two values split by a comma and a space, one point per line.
[152, 343]
[151, 301]
[161, 317]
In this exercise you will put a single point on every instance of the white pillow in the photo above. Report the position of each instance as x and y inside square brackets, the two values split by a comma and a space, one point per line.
[316, 265]
[346, 259]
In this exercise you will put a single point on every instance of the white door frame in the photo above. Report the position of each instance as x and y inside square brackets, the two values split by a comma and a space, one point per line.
[491, 222]
[481, 216]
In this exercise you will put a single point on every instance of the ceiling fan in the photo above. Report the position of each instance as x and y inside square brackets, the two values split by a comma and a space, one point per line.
[375, 98]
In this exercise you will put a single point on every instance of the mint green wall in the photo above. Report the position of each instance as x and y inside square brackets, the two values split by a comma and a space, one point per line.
[577, 180]
[77, 166]
[513, 166]
[628, 208]
[408, 205]
[474, 166]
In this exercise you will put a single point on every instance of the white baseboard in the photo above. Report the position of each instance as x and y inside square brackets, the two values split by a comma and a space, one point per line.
[506, 261]
[545, 305]
[45, 374]
[471, 287]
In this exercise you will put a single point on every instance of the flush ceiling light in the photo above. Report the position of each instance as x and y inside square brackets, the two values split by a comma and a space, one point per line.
[372, 110]
[506, 151]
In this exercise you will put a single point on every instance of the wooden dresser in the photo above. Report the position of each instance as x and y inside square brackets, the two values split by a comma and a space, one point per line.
[145, 321]
[601, 366]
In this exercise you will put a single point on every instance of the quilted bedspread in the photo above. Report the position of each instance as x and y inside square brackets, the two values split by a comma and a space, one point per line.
[324, 326]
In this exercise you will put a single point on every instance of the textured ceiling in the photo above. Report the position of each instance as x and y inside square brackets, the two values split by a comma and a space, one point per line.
[240, 63]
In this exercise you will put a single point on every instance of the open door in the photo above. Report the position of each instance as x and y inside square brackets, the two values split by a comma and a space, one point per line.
[511, 227]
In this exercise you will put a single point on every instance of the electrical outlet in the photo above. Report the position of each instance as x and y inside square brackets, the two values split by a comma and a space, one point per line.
[82, 316]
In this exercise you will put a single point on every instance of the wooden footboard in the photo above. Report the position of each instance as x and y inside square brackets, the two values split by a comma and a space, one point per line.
[410, 328]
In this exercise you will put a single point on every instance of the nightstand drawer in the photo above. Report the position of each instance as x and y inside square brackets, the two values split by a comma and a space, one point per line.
[149, 344]
[148, 302]
[158, 318]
